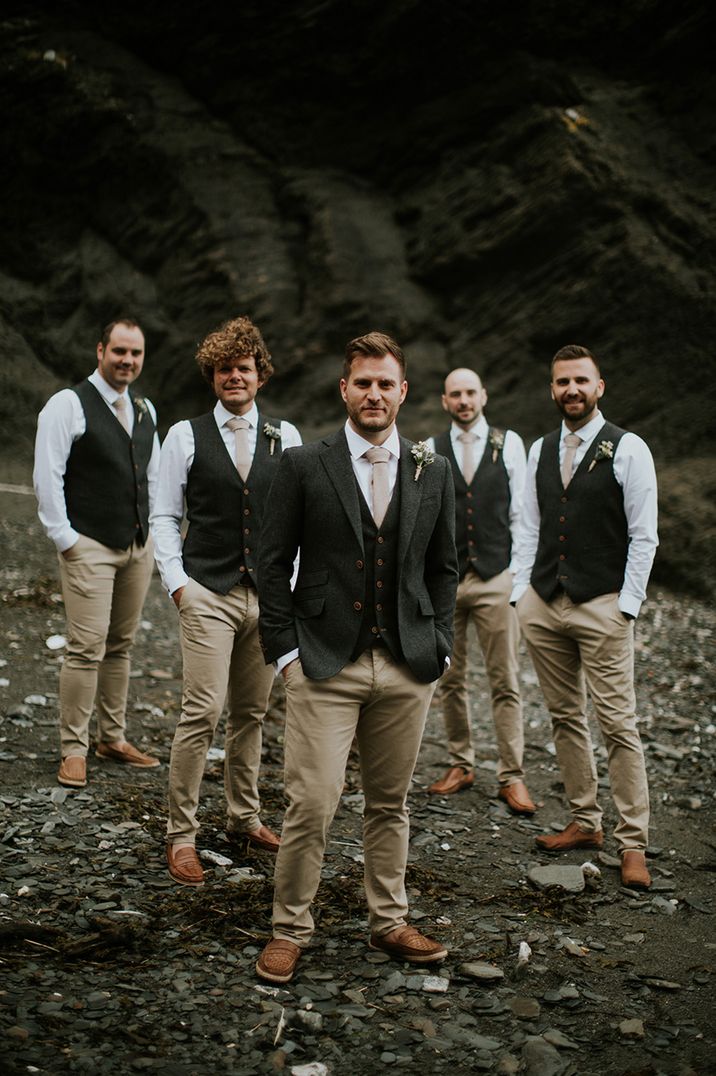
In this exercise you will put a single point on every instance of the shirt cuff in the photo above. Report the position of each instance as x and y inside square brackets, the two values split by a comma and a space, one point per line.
[629, 604]
[517, 592]
[175, 580]
[285, 659]
[67, 539]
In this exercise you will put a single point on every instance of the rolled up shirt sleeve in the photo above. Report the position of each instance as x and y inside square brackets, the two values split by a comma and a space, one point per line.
[175, 459]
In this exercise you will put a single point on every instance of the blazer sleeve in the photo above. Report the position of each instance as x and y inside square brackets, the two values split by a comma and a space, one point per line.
[280, 539]
[441, 565]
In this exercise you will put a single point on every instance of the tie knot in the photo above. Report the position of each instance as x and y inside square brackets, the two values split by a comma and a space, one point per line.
[466, 437]
[572, 440]
[235, 424]
[120, 403]
[377, 455]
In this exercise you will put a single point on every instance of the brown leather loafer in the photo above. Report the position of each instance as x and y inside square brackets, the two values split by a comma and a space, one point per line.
[570, 837]
[73, 771]
[407, 943]
[184, 865]
[517, 798]
[634, 872]
[262, 838]
[455, 779]
[126, 753]
[278, 961]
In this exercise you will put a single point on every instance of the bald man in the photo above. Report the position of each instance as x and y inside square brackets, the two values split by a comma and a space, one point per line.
[488, 467]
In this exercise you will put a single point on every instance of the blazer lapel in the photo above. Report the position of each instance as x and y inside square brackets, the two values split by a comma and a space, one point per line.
[337, 461]
[411, 493]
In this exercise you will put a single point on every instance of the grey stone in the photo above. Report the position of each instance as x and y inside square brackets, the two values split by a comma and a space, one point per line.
[570, 878]
[539, 1058]
[632, 1029]
[556, 1038]
[525, 1008]
[480, 970]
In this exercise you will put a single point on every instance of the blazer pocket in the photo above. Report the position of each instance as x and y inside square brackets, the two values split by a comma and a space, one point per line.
[312, 579]
[426, 606]
[308, 607]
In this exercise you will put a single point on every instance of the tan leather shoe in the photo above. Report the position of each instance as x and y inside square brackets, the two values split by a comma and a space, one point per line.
[263, 838]
[126, 753]
[456, 778]
[73, 771]
[517, 798]
[278, 961]
[184, 865]
[634, 872]
[407, 943]
[570, 837]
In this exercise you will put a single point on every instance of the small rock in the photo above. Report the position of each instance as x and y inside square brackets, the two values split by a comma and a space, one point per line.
[539, 1058]
[35, 700]
[215, 857]
[664, 906]
[632, 1029]
[480, 970]
[55, 642]
[554, 1036]
[525, 1008]
[569, 878]
[435, 984]
[634, 939]
[20, 1034]
[313, 1068]
[609, 861]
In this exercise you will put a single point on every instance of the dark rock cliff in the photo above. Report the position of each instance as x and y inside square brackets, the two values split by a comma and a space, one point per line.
[486, 182]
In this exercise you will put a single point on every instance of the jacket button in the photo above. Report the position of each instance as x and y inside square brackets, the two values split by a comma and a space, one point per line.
[357, 606]
[247, 530]
[469, 495]
[379, 583]
[562, 519]
[247, 511]
[379, 607]
[359, 564]
[246, 493]
[376, 631]
[562, 538]
[246, 549]
[562, 556]
[380, 541]
[470, 527]
[469, 511]
[380, 561]
[563, 500]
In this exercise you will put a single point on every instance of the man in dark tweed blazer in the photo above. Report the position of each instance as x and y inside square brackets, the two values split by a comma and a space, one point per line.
[360, 642]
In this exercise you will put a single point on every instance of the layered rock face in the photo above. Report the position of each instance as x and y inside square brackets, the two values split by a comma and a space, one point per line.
[485, 182]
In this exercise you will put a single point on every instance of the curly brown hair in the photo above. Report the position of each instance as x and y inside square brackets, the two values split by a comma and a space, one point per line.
[235, 339]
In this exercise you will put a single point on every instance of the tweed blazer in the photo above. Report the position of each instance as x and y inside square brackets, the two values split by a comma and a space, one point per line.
[314, 508]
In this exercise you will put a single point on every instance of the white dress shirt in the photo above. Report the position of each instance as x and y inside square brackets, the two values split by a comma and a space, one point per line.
[175, 463]
[634, 471]
[60, 423]
[514, 458]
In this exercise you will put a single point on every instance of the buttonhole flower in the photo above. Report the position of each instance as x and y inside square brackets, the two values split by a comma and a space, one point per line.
[423, 456]
[497, 441]
[605, 451]
[274, 435]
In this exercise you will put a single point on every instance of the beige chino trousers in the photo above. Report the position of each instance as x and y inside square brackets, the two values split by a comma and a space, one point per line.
[591, 645]
[486, 604]
[104, 591]
[222, 656]
[385, 708]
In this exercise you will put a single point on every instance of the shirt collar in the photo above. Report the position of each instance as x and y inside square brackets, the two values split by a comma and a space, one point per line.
[479, 429]
[358, 446]
[222, 416]
[584, 433]
[105, 389]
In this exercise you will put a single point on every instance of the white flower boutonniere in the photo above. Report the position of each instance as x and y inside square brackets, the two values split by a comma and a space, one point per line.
[497, 443]
[423, 457]
[141, 405]
[605, 451]
[274, 435]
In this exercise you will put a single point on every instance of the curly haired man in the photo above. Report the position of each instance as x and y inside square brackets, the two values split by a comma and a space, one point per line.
[221, 465]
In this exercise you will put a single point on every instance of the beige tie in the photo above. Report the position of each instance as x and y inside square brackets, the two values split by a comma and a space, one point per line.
[468, 455]
[571, 444]
[120, 406]
[240, 429]
[379, 482]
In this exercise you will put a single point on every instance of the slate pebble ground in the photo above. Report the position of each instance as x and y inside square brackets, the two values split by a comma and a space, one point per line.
[106, 966]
